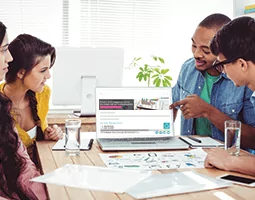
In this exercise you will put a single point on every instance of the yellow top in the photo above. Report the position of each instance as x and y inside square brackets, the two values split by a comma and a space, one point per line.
[42, 109]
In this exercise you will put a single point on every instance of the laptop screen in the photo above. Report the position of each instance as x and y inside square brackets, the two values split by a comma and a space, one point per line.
[133, 112]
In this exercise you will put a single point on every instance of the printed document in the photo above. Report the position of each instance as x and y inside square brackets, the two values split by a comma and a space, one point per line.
[156, 160]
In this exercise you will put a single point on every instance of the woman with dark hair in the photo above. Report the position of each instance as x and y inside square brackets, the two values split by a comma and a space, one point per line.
[16, 168]
[25, 86]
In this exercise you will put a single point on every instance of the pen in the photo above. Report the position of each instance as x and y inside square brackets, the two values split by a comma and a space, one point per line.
[90, 144]
[194, 139]
[184, 140]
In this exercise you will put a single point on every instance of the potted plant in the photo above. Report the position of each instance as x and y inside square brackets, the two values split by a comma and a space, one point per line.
[154, 74]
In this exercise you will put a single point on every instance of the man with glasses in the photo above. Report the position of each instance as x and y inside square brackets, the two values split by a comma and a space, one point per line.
[219, 66]
[234, 45]
[206, 96]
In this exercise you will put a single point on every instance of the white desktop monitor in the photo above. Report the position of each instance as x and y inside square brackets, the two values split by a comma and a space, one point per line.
[78, 71]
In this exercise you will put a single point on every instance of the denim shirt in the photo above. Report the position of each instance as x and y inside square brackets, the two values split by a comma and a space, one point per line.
[252, 99]
[226, 97]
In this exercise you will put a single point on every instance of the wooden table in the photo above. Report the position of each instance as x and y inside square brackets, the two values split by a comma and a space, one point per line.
[52, 160]
[88, 123]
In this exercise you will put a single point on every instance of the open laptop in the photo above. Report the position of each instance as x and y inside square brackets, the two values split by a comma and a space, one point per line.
[135, 118]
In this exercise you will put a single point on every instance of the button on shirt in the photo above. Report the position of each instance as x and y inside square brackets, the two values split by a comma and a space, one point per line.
[252, 99]
[225, 96]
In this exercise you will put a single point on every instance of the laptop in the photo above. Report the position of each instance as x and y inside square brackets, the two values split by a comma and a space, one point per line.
[135, 118]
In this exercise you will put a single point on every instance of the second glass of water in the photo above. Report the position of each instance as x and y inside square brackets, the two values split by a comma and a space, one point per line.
[233, 136]
[72, 137]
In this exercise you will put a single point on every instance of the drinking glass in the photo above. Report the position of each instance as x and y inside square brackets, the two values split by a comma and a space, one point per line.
[233, 136]
[72, 137]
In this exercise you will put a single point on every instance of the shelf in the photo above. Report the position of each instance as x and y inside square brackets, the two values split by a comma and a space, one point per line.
[238, 7]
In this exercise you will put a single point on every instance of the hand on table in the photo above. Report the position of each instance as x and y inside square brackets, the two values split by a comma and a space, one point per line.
[218, 158]
[53, 133]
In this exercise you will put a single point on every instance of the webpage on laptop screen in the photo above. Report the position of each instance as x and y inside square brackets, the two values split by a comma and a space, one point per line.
[136, 112]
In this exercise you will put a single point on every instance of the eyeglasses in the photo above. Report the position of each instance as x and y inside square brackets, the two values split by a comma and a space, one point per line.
[219, 66]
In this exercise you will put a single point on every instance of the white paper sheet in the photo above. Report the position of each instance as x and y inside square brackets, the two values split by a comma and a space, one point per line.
[94, 178]
[156, 160]
[174, 183]
[85, 141]
[85, 144]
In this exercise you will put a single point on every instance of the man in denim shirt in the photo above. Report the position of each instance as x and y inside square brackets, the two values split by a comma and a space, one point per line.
[234, 46]
[206, 96]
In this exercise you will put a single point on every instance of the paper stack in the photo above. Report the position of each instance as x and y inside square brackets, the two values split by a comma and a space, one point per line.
[138, 184]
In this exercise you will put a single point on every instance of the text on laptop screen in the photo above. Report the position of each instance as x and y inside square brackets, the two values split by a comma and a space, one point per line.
[133, 112]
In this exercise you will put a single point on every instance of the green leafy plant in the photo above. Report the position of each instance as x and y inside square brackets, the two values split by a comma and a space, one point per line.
[152, 73]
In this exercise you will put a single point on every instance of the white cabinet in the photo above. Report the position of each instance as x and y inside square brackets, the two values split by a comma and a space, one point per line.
[239, 5]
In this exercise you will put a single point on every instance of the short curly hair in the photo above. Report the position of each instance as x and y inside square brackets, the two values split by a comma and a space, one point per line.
[214, 21]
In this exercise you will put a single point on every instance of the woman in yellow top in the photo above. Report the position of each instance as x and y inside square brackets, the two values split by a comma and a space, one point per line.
[25, 86]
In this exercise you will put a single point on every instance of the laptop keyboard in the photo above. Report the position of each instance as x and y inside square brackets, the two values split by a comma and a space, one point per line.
[161, 140]
[117, 144]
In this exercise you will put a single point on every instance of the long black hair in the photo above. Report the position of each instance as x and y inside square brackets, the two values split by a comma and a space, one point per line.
[11, 163]
[2, 32]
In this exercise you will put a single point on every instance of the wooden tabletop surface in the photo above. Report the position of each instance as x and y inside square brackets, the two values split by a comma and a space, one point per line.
[51, 160]
[60, 119]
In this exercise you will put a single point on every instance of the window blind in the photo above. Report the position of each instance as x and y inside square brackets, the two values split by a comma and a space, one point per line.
[40, 18]
[131, 24]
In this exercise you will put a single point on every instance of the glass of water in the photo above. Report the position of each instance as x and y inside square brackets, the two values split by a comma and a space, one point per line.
[233, 136]
[72, 137]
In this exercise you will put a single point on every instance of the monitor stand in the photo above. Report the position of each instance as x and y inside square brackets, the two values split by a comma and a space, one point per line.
[79, 114]
[88, 101]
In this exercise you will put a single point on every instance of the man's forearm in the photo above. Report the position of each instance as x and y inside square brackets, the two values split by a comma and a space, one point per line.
[243, 164]
[216, 117]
